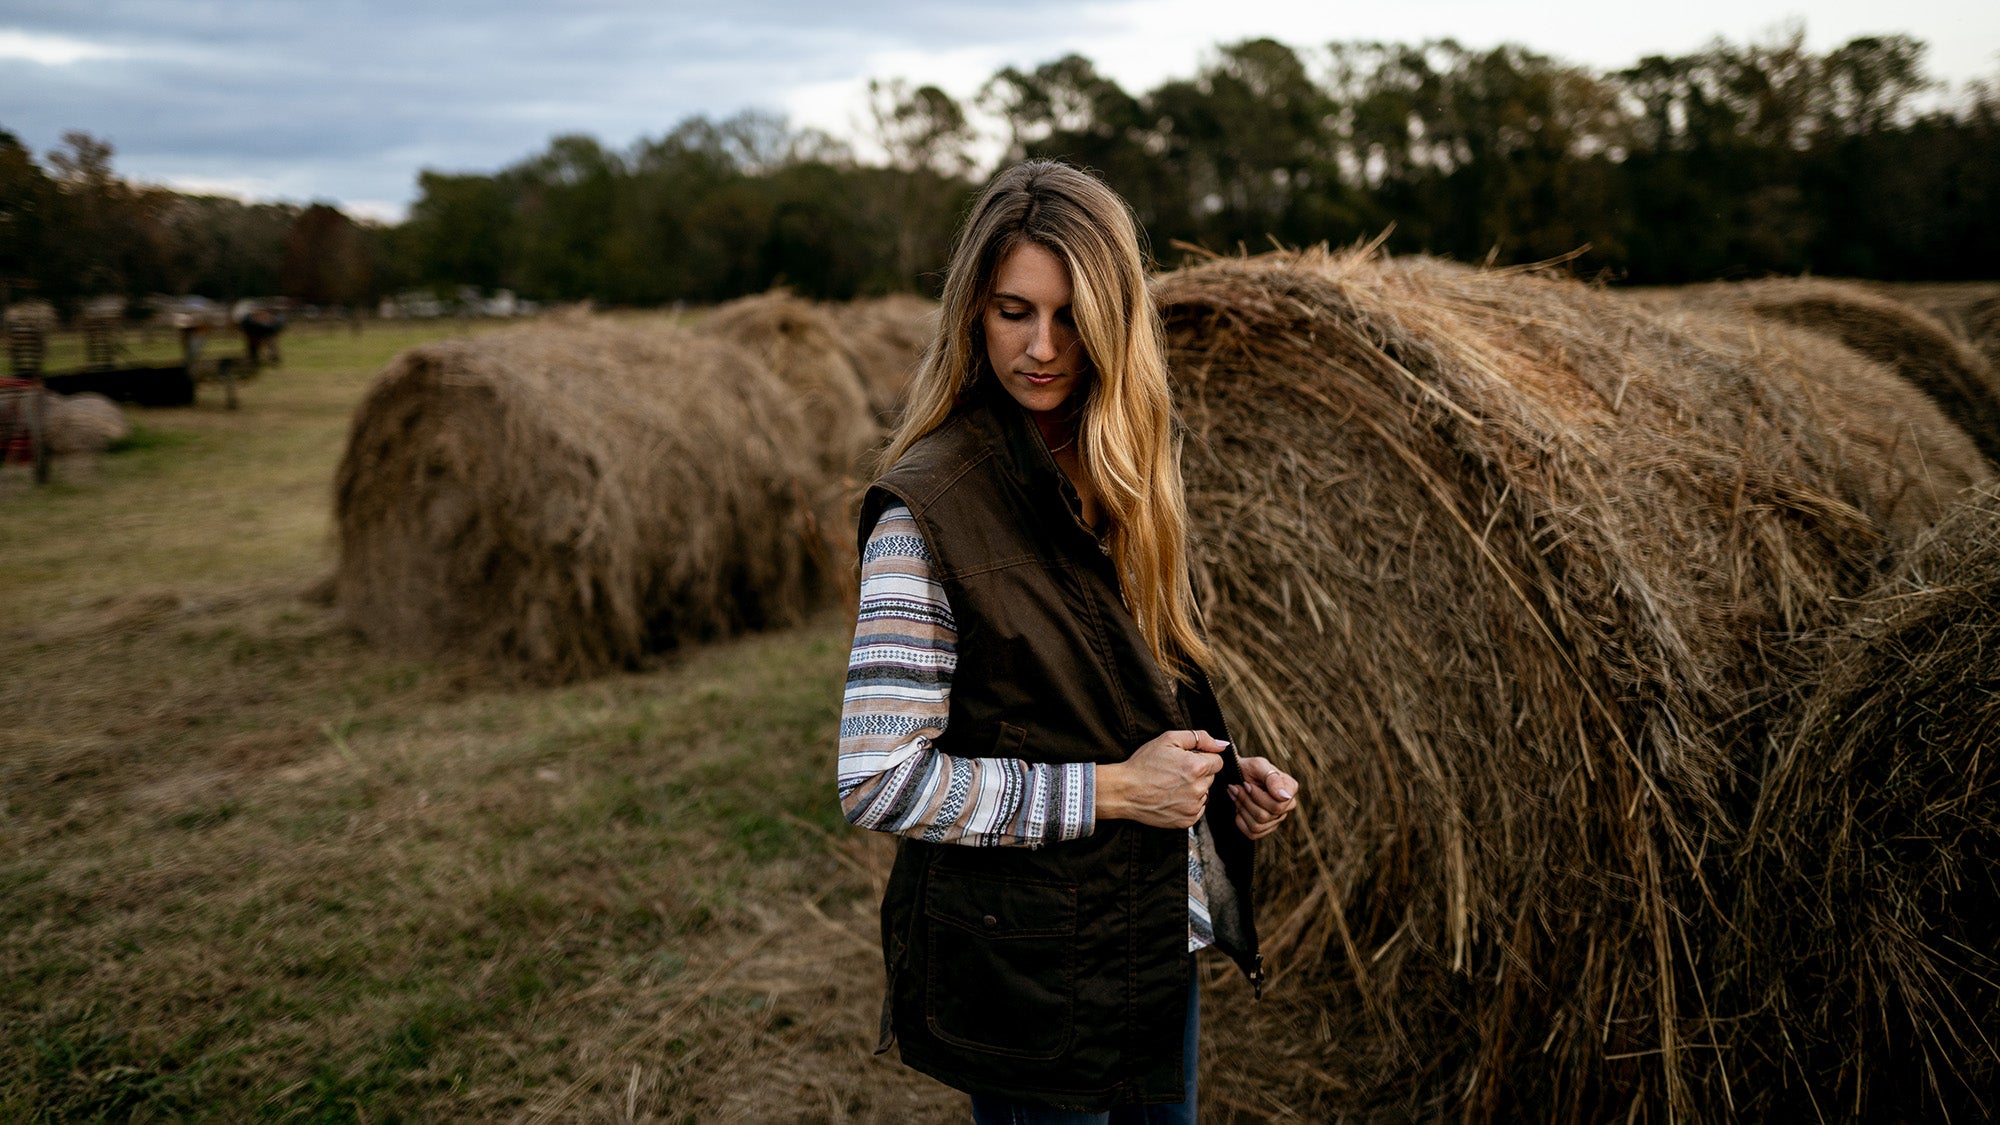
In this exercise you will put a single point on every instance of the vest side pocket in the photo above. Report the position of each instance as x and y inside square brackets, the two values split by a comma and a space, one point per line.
[1001, 964]
[1009, 742]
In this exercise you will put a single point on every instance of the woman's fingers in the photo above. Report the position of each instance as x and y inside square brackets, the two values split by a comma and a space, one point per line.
[1279, 783]
[1266, 796]
[1255, 829]
[1256, 822]
[1259, 798]
[1197, 741]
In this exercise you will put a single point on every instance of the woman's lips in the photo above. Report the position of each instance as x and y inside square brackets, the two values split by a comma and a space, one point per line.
[1039, 379]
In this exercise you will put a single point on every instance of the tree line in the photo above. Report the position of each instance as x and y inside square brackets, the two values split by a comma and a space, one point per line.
[1736, 160]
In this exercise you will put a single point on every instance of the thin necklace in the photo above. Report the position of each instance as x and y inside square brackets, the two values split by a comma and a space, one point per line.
[1065, 445]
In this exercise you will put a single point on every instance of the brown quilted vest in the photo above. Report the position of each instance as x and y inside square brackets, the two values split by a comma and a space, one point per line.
[1056, 974]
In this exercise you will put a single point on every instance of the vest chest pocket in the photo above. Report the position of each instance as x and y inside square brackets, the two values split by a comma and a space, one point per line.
[1001, 965]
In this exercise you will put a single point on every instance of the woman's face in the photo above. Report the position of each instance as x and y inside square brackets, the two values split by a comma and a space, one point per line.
[1031, 337]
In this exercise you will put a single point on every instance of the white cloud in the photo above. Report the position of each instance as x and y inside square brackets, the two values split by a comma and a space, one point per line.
[840, 106]
[377, 210]
[54, 50]
[236, 187]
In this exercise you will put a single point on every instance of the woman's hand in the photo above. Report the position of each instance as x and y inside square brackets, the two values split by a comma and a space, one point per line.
[1164, 783]
[1264, 799]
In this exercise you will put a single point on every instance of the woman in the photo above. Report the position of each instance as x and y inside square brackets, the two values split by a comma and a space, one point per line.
[1025, 703]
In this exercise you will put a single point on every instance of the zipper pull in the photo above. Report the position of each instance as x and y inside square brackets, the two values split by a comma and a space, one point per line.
[1257, 978]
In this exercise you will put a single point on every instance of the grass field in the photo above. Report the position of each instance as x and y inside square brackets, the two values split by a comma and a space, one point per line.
[252, 869]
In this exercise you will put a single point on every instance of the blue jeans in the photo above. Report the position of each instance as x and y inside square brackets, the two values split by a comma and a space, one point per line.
[988, 1110]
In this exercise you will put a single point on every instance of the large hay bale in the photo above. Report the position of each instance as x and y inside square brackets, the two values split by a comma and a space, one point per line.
[1893, 332]
[83, 423]
[1979, 322]
[803, 345]
[1502, 566]
[886, 338]
[562, 498]
[1870, 918]
[1971, 309]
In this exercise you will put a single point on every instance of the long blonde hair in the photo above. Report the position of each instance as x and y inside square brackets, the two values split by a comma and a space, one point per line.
[1126, 436]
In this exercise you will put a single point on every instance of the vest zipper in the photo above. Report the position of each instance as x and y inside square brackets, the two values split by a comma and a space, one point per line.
[1254, 968]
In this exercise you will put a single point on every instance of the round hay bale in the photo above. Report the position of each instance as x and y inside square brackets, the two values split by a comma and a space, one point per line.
[1500, 565]
[803, 345]
[1982, 328]
[1870, 916]
[1895, 333]
[1971, 309]
[83, 423]
[563, 498]
[886, 338]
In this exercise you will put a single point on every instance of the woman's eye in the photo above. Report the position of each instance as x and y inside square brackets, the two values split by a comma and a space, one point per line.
[1006, 315]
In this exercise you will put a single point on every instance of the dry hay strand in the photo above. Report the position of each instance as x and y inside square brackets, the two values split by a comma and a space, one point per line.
[886, 338]
[84, 423]
[1895, 333]
[1500, 565]
[564, 498]
[1870, 916]
[803, 345]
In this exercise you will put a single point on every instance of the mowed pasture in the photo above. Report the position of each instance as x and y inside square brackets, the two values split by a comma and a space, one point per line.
[252, 868]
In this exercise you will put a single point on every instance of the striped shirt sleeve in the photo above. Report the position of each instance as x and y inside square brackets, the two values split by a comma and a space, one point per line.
[898, 699]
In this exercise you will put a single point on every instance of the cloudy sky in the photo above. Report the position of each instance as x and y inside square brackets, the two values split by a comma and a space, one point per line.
[346, 100]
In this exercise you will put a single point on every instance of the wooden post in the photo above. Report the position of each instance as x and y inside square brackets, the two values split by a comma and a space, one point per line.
[226, 368]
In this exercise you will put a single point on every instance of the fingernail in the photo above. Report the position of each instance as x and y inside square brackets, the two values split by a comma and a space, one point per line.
[1219, 742]
[1283, 794]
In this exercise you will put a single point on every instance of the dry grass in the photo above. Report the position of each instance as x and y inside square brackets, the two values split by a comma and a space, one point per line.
[886, 337]
[563, 498]
[301, 881]
[1508, 568]
[1870, 921]
[1896, 333]
[1971, 309]
[805, 347]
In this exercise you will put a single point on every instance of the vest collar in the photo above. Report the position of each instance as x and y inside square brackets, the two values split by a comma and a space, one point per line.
[1028, 458]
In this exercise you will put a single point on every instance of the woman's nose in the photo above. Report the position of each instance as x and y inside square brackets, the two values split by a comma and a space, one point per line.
[1044, 348]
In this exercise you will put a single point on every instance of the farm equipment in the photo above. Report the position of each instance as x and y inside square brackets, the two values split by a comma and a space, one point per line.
[24, 425]
[23, 407]
[102, 325]
[108, 368]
